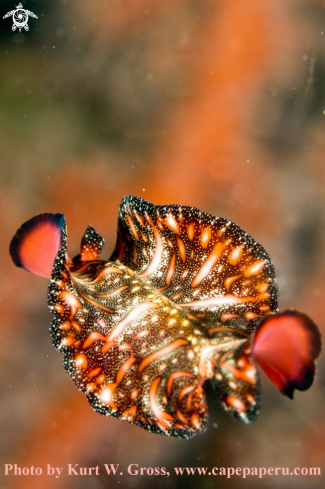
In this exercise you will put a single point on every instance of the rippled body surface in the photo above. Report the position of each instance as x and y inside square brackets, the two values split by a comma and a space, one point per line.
[178, 303]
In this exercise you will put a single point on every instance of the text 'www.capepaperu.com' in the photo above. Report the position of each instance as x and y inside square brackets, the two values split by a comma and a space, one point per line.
[136, 470]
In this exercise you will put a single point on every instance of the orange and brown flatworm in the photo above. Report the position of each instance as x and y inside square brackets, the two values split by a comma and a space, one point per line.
[186, 297]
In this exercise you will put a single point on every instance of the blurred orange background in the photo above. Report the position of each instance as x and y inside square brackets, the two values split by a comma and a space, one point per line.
[217, 104]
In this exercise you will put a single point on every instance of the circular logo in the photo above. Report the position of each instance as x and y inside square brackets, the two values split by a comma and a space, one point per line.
[20, 19]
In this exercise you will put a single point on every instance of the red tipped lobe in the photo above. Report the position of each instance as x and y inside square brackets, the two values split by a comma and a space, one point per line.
[285, 346]
[37, 242]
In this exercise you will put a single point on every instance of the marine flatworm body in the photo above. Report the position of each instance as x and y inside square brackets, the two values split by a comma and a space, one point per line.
[185, 297]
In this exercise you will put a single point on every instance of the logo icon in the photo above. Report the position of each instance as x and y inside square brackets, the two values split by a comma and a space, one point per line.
[20, 18]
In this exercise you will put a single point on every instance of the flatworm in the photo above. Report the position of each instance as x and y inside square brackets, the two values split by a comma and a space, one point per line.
[185, 297]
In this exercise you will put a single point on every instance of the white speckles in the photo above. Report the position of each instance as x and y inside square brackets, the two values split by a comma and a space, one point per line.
[174, 360]
[185, 323]
[232, 385]
[190, 355]
[154, 319]
[172, 322]
[218, 377]
[181, 331]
